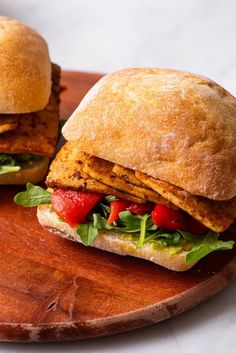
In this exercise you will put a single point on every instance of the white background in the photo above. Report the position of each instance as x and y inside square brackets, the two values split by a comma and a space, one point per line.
[107, 35]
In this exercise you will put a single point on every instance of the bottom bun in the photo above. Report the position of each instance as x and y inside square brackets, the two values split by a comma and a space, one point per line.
[115, 242]
[31, 173]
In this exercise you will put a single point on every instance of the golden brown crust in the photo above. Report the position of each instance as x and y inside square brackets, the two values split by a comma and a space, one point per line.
[171, 125]
[37, 132]
[25, 80]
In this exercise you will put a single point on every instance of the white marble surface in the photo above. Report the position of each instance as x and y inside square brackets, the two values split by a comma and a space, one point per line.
[106, 35]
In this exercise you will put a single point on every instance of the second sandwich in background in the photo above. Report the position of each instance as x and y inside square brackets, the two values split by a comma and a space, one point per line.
[29, 104]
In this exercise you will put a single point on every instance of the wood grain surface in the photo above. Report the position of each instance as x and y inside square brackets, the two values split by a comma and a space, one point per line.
[52, 289]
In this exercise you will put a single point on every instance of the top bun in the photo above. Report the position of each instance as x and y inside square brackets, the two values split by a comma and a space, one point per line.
[25, 67]
[172, 125]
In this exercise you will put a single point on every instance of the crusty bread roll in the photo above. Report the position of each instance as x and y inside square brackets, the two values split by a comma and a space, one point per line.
[115, 242]
[172, 125]
[25, 67]
[33, 173]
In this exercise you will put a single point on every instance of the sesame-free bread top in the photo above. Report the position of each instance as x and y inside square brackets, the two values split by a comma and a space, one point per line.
[25, 69]
[172, 125]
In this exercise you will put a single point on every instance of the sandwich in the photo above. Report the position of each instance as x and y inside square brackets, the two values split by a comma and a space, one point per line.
[148, 169]
[29, 104]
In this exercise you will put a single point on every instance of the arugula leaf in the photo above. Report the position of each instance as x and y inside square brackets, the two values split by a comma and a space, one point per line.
[110, 198]
[105, 209]
[152, 236]
[205, 245]
[152, 226]
[143, 228]
[6, 159]
[171, 238]
[128, 222]
[192, 237]
[4, 169]
[87, 232]
[8, 164]
[146, 232]
[168, 238]
[13, 163]
[101, 222]
[33, 196]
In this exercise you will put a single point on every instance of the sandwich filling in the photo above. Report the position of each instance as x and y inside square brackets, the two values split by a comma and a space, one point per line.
[15, 162]
[27, 138]
[91, 194]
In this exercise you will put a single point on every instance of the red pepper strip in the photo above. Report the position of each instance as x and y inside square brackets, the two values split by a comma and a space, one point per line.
[168, 219]
[141, 208]
[115, 208]
[74, 206]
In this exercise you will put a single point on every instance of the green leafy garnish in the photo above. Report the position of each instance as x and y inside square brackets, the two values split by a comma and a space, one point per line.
[4, 169]
[128, 222]
[6, 159]
[100, 222]
[8, 164]
[152, 236]
[105, 209]
[87, 232]
[143, 228]
[146, 232]
[110, 198]
[204, 245]
[33, 196]
[171, 238]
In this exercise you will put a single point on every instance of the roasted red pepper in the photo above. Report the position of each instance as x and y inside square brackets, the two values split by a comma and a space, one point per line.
[168, 219]
[141, 208]
[74, 206]
[121, 205]
[115, 208]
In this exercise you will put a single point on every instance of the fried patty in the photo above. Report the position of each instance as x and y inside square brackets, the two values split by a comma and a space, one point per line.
[103, 171]
[8, 122]
[66, 171]
[34, 133]
[216, 215]
[78, 170]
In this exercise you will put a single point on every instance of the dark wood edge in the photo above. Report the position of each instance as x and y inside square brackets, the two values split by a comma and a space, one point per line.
[123, 322]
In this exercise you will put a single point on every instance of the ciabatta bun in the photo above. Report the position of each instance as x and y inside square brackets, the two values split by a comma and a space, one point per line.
[114, 242]
[172, 125]
[25, 67]
[33, 173]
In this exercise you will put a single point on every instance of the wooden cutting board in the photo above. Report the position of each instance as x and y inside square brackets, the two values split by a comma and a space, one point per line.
[53, 289]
